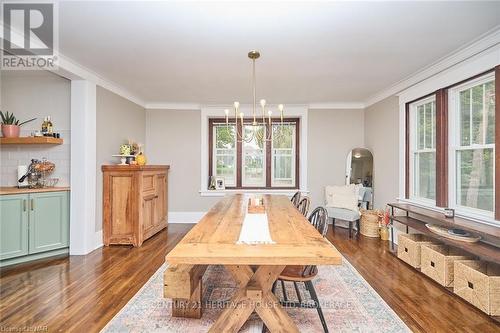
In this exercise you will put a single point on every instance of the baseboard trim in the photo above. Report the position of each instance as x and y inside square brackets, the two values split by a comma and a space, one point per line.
[36, 256]
[185, 217]
[97, 240]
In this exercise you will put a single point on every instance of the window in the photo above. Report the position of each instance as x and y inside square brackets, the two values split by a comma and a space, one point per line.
[225, 153]
[283, 156]
[473, 145]
[423, 149]
[451, 138]
[254, 158]
[259, 163]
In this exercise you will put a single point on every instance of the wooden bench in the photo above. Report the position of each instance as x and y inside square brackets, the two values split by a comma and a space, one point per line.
[183, 284]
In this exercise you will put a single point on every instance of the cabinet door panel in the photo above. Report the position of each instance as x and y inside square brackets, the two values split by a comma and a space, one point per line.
[148, 213]
[122, 203]
[148, 182]
[13, 226]
[48, 221]
[161, 209]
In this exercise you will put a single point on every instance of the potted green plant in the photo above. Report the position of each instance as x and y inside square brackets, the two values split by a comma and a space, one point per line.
[10, 125]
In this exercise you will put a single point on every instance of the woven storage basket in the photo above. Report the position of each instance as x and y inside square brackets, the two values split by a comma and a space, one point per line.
[409, 247]
[478, 282]
[369, 223]
[436, 261]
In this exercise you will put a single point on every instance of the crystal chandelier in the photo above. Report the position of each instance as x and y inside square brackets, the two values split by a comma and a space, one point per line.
[265, 123]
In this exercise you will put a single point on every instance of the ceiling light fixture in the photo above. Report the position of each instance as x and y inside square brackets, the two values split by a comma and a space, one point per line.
[267, 120]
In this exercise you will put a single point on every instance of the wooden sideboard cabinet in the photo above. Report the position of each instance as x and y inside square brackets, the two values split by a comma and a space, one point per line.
[134, 202]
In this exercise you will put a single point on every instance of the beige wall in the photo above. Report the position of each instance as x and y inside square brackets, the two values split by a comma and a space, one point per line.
[118, 120]
[331, 135]
[173, 138]
[382, 138]
[36, 94]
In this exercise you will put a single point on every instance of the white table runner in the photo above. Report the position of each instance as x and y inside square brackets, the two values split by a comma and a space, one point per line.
[255, 230]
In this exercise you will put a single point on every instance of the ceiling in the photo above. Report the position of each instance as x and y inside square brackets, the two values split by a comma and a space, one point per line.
[321, 52]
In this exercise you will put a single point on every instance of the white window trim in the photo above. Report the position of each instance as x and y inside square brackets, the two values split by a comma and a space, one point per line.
[214, 158]
[413, 150]
[294, 139]
[483, 59]
[454, 145]
[243, 155]
[213, 111]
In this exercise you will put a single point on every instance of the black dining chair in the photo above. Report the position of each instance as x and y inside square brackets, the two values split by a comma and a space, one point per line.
[297, 274]
[295, 199]
[303, 206]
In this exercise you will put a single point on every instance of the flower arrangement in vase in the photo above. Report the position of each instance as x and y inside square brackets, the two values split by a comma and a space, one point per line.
[384, 221]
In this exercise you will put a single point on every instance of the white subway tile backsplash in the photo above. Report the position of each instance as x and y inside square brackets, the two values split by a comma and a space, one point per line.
[58, 155]
[12, 156]
[9, 178]
[61, 164]
[18, 155]
[9, 163]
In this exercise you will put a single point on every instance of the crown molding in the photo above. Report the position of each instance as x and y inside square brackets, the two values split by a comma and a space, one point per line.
[196, 106]
[477, 46]
[336, 106]
[72, 70]
[172, 106]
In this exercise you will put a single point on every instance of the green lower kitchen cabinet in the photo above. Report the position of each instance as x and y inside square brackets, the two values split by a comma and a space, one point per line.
[13, 226]
[33, 226]
[48, 221]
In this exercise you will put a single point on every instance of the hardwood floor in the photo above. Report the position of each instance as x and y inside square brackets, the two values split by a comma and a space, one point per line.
[422, 303]
[82, 293]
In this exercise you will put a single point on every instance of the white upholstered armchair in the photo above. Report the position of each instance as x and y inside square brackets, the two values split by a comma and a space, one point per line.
[342, 203]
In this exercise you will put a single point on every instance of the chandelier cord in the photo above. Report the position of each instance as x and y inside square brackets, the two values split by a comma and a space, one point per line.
[254, 91]
[267, 132]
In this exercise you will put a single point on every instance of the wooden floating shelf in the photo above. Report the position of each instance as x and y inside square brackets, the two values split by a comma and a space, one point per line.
[30, 140]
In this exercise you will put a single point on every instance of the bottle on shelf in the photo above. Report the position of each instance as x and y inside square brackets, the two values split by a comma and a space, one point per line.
[44, 126]
[50, 127]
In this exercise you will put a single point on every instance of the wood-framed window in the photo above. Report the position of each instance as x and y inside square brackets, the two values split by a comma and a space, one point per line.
[467, 132]
[258, 164]
[423, 149]
[472, 145]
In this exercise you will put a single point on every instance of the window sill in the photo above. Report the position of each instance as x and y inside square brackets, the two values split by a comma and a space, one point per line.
[222, 193]
[468, 216]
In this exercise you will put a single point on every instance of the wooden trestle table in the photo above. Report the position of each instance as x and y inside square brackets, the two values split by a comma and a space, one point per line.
[255, 267]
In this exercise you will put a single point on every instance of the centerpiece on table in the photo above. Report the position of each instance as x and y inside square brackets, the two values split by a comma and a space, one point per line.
[256, 205]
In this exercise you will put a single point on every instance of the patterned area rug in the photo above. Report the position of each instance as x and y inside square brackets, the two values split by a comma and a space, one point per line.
[348, 301]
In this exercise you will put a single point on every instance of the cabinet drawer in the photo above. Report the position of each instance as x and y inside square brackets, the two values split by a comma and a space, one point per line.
[148, 182]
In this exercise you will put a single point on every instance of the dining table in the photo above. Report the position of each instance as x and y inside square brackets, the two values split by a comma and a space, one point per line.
[217, 239]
